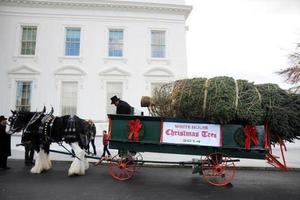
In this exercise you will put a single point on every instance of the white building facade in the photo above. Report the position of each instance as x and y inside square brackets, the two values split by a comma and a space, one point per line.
[74, 54]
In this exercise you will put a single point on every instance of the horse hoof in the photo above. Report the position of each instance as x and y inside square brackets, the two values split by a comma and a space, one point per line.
[35, 171]
[75, 174]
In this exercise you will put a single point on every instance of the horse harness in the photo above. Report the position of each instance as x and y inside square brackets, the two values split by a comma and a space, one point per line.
[47, 126]
[70, 130]
[46, 122]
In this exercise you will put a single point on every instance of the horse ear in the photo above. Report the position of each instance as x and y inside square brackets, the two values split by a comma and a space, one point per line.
[44, 109]
[52, 110]
[13, 112]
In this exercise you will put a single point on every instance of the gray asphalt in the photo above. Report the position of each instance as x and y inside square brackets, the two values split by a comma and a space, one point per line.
[149, 183]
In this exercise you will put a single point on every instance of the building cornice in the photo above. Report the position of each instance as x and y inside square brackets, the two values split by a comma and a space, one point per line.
[70, 70]
[114, 71]
[23, 70]
[159, 72]
[106, 5]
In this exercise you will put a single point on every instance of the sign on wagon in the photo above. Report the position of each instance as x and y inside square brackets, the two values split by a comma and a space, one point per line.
[191, 134]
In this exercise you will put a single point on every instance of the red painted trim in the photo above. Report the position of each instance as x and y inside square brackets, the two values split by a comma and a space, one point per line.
[221, 136]
[161, 129]
[109, 127]
[273, 159]
[267, 138]
[275, 162]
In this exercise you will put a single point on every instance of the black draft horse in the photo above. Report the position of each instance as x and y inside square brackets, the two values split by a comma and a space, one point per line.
[42, 129]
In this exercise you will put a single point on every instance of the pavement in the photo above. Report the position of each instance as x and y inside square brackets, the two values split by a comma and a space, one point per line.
[254, 179]
[148, 183]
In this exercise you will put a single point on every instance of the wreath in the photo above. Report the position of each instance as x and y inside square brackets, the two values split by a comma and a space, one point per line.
[246, 136]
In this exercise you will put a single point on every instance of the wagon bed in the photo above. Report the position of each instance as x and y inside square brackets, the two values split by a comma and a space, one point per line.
[152, 135]
[134, 134]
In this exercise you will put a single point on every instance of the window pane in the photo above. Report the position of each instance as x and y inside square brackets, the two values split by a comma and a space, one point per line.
[115, 43]
[23, 95]
[158, 37]
[158, 51]
[28, 42]
[72, 43]
[69, 98]
[115, 50]
[158, 46]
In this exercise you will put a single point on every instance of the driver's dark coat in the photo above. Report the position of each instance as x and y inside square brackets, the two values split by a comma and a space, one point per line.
[4, 142]
[123, 108]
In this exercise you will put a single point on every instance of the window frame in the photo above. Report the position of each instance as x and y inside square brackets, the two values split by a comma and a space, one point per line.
[28, 41]
[108, 41]
[65, 41]
[18, 43]
[30, 94]
[106, 57]
[165, 45]
[61, 95]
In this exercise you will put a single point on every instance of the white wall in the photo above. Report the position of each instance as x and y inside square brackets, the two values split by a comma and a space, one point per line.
[49, 67]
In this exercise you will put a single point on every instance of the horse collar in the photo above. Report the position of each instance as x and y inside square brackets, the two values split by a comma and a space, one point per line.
[46, 125]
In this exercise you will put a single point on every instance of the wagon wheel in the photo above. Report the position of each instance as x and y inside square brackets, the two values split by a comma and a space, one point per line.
[218, 169]
[122, 167]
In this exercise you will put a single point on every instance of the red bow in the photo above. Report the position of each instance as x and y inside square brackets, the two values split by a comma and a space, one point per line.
[135, 126]
[251, 135]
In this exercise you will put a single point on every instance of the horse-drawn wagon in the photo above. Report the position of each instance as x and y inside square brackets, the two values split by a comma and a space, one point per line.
[218, 145]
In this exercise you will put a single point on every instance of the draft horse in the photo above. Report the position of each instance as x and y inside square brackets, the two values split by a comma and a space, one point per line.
[40, 129]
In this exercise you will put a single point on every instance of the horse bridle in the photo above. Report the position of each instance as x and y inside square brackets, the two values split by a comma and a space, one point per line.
[12, 120]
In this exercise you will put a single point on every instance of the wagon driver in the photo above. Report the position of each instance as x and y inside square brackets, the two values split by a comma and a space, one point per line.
[122, 106]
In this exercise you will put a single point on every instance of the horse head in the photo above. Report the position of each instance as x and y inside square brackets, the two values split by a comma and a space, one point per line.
[18, 121]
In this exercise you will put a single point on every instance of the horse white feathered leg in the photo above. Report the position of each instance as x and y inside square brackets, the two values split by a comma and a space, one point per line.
[42, 162]
[79, 164]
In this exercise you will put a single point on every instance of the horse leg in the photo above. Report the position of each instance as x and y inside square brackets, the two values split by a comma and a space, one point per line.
[86, 163]
[42, 162]
[78, 165]
[48, 164]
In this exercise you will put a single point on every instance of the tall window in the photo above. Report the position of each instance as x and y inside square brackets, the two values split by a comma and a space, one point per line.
[28, 40]
[115, 46]
[112, 89]
[72, 42]
[23, 95]
[69, 98]
[158, 44]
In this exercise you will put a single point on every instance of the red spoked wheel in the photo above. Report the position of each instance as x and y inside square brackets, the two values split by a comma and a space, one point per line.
[122, 167]
[218, 169]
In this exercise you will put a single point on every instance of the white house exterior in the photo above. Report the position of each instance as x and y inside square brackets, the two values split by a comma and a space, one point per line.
[75, 54]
